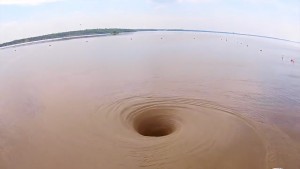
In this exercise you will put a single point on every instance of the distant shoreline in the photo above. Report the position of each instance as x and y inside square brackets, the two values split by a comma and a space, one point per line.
[64, 36]
[55, 39]
[107, 32]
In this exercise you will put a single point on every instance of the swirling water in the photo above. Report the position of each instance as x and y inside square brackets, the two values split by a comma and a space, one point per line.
[151, 100]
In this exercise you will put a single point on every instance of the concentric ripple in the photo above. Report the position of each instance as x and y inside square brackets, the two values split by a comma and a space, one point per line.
[158, 132]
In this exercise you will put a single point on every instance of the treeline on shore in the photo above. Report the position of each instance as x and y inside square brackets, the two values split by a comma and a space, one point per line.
[68, 34]
[113, 31]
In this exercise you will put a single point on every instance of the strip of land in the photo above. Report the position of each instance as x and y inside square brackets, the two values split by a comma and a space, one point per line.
[67, 35]
[102, 32]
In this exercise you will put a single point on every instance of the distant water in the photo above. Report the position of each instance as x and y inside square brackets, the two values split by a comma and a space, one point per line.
[151, 100]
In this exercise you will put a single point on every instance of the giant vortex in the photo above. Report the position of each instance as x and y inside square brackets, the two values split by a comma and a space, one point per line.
[158, 132]
[154, 100]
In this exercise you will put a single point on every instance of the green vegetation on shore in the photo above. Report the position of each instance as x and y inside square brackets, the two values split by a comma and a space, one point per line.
[112, 31]
[87, 32]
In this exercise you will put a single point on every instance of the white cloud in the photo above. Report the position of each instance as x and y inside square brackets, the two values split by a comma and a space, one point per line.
[25, 2]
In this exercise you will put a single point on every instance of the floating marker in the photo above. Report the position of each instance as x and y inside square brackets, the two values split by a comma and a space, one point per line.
[292, 60]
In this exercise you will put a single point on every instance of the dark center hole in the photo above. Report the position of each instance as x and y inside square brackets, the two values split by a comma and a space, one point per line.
[154, 126]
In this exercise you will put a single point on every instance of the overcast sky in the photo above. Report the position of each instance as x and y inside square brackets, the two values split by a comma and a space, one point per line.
[24, 18]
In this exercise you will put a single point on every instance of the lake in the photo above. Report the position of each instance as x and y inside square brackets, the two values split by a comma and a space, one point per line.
[151, 100]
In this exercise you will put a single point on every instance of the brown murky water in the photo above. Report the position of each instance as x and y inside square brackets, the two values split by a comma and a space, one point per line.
[157, 100]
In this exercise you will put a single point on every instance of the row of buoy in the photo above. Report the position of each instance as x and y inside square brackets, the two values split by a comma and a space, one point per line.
[291, 60]
[242, 44]
[282, 58]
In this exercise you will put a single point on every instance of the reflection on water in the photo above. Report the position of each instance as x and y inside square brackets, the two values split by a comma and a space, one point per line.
[151, 100]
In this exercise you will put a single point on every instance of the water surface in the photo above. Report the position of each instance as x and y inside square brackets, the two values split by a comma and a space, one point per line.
[151, 100]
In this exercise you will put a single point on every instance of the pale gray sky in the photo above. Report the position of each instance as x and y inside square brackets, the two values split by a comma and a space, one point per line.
[24, 18]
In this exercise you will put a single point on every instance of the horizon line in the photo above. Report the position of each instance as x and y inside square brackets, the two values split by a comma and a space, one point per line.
[137, 30]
